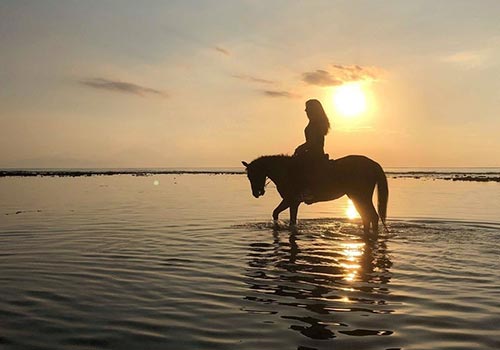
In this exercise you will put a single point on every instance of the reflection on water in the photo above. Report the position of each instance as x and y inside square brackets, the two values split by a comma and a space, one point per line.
[315, 277]
[191, 262]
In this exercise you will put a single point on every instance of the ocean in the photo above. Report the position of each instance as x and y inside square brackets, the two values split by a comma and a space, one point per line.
[188, 259]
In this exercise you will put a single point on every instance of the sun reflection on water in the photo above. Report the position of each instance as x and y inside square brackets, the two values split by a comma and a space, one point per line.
[352, 253]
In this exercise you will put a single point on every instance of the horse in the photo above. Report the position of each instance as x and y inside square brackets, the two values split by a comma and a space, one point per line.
[353, 175]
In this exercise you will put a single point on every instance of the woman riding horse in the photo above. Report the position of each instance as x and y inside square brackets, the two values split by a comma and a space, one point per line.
[308, 176]
[311, 158]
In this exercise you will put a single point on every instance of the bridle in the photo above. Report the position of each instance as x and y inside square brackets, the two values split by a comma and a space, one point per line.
[267, 183]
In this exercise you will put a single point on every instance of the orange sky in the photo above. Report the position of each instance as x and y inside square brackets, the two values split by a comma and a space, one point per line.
[178, 84]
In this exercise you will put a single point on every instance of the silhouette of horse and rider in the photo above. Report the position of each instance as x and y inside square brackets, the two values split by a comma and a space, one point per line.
[309, 176]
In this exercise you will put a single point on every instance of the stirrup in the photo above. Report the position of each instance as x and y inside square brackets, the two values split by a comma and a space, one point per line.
[307, 198]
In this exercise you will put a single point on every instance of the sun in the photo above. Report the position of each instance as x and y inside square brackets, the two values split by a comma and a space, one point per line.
[349, 99]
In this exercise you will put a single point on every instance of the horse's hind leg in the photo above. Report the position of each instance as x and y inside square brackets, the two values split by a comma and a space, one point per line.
[374, 218]
[368, 214]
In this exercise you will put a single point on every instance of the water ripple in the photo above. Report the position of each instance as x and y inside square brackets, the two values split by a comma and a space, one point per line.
[148, 267]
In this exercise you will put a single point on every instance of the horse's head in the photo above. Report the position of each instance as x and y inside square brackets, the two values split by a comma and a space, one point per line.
[257, 177]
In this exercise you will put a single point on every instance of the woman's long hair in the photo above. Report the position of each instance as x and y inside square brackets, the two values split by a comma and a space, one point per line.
[317, 115]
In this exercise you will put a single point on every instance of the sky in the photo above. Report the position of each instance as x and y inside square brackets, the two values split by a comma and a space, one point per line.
[210, 83]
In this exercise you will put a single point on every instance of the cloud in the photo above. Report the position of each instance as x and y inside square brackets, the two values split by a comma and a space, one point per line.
[274, 93]
[121, 86]
[465, 59]
[252, 79]
[320, 78]
[222, 50]
[341, 74]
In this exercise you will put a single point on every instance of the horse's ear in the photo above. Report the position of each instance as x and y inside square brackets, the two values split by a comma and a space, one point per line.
[244, 163]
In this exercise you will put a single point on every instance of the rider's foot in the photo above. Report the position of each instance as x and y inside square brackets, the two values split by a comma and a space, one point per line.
[307, 197]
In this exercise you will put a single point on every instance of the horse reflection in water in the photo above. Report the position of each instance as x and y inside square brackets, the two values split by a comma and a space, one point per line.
[329, 278]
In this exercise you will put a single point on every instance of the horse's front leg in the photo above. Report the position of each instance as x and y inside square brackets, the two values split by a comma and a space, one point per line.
[294, 208]
[282, 206]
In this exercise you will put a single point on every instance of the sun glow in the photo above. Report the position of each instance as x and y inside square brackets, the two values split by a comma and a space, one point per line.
[351, 211]
[349, 99]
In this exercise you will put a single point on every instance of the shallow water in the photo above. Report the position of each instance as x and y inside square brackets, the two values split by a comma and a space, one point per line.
[192, 262]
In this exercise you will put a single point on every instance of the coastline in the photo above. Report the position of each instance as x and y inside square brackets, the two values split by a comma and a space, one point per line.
[459, 175]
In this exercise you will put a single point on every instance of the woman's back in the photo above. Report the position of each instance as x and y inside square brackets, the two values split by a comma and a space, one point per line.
[315, 139]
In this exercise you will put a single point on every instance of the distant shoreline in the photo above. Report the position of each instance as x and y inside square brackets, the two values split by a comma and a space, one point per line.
[77, 173]
[485, 176]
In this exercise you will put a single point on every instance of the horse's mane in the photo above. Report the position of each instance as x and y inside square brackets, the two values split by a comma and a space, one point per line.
[274, 156]
[271, 158]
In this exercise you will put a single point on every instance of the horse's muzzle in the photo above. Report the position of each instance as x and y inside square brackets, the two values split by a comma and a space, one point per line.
[259, 193]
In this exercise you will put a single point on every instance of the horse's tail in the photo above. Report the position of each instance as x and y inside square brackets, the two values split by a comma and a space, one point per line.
[383, 195]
